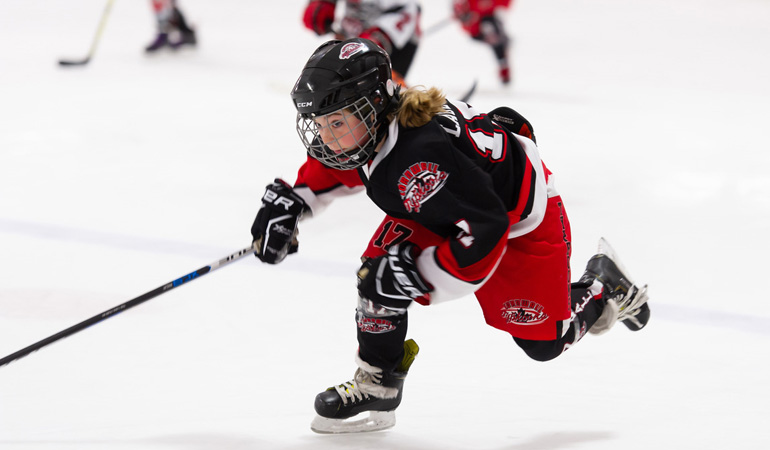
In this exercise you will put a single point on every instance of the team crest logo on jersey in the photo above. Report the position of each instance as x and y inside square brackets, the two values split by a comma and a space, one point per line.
[523, 312]
[419, 183]
[375, 326]
[351, 49]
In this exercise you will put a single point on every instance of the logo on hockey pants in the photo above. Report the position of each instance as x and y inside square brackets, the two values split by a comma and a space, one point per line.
[523, 312]
[375, 326]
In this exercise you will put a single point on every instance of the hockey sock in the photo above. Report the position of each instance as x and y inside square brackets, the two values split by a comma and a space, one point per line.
[587, 301]
[381, 334]
[587, 306]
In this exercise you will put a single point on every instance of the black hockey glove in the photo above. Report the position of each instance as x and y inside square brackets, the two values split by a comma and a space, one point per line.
[393, 279]
[275, 228]
[513, 121]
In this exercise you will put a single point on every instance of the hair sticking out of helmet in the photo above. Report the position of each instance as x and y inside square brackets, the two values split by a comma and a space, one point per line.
[343, 98]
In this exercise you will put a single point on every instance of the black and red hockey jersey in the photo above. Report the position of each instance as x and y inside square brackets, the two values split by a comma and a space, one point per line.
[462, 176]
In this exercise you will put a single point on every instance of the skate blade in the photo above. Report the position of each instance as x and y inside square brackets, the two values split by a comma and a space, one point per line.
[377, 420]
[606, 249]
[168, 52]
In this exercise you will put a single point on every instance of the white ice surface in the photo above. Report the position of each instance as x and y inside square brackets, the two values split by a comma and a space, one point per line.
[121, 176]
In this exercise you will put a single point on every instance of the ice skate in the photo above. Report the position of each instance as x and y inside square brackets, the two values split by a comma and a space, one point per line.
[161, 41]
[372, 394]
[626, 301]
[174, 40]
[186, 38]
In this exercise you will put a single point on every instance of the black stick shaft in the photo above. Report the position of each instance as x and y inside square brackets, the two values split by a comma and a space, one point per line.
[437, 26]
[129, 304]
[467, 96]
[95, 41]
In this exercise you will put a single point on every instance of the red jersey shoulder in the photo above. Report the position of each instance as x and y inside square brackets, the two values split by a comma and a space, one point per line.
[320, 178]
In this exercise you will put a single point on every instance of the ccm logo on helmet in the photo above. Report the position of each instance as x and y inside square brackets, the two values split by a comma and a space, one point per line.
[351, 49]
[304, 104]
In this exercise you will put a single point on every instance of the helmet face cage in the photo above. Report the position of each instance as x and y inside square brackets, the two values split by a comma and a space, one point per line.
[337, 141]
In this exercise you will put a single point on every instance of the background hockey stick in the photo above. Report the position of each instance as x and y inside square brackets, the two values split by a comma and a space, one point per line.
[437, 26]
[338, 34]
[97, 38]
[467, 96]
[129, 304]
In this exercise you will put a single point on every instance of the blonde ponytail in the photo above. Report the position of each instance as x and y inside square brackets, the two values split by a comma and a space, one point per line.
[418, 106]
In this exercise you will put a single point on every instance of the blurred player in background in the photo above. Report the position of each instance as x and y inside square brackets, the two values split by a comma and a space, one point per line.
[173, 31]
[479, 19]
[392, 24]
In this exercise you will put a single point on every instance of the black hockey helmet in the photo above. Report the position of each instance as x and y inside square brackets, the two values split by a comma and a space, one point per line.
[351, 77]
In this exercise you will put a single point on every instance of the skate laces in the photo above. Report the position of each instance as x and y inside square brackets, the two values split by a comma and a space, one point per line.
[629, 304]
[363, 385]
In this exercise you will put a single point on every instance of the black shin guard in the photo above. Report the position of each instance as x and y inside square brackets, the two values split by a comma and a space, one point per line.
[381, 334]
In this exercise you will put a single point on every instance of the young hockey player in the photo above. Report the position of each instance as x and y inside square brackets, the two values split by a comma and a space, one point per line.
[470, 209]
[173, 31]
[392, 24]
[479, 19]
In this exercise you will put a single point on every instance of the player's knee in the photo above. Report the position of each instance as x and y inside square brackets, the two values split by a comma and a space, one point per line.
[372, 309]
[540, 350]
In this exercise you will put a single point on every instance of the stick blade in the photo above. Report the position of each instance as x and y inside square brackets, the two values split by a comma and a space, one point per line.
[70, 62]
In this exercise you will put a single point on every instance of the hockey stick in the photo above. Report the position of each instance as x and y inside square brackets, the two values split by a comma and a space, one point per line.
[129, 304]
[97, 37]
[338, 34]
[470, 92]
[437, 26]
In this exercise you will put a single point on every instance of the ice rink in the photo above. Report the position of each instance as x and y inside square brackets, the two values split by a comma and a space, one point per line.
[121, 176]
